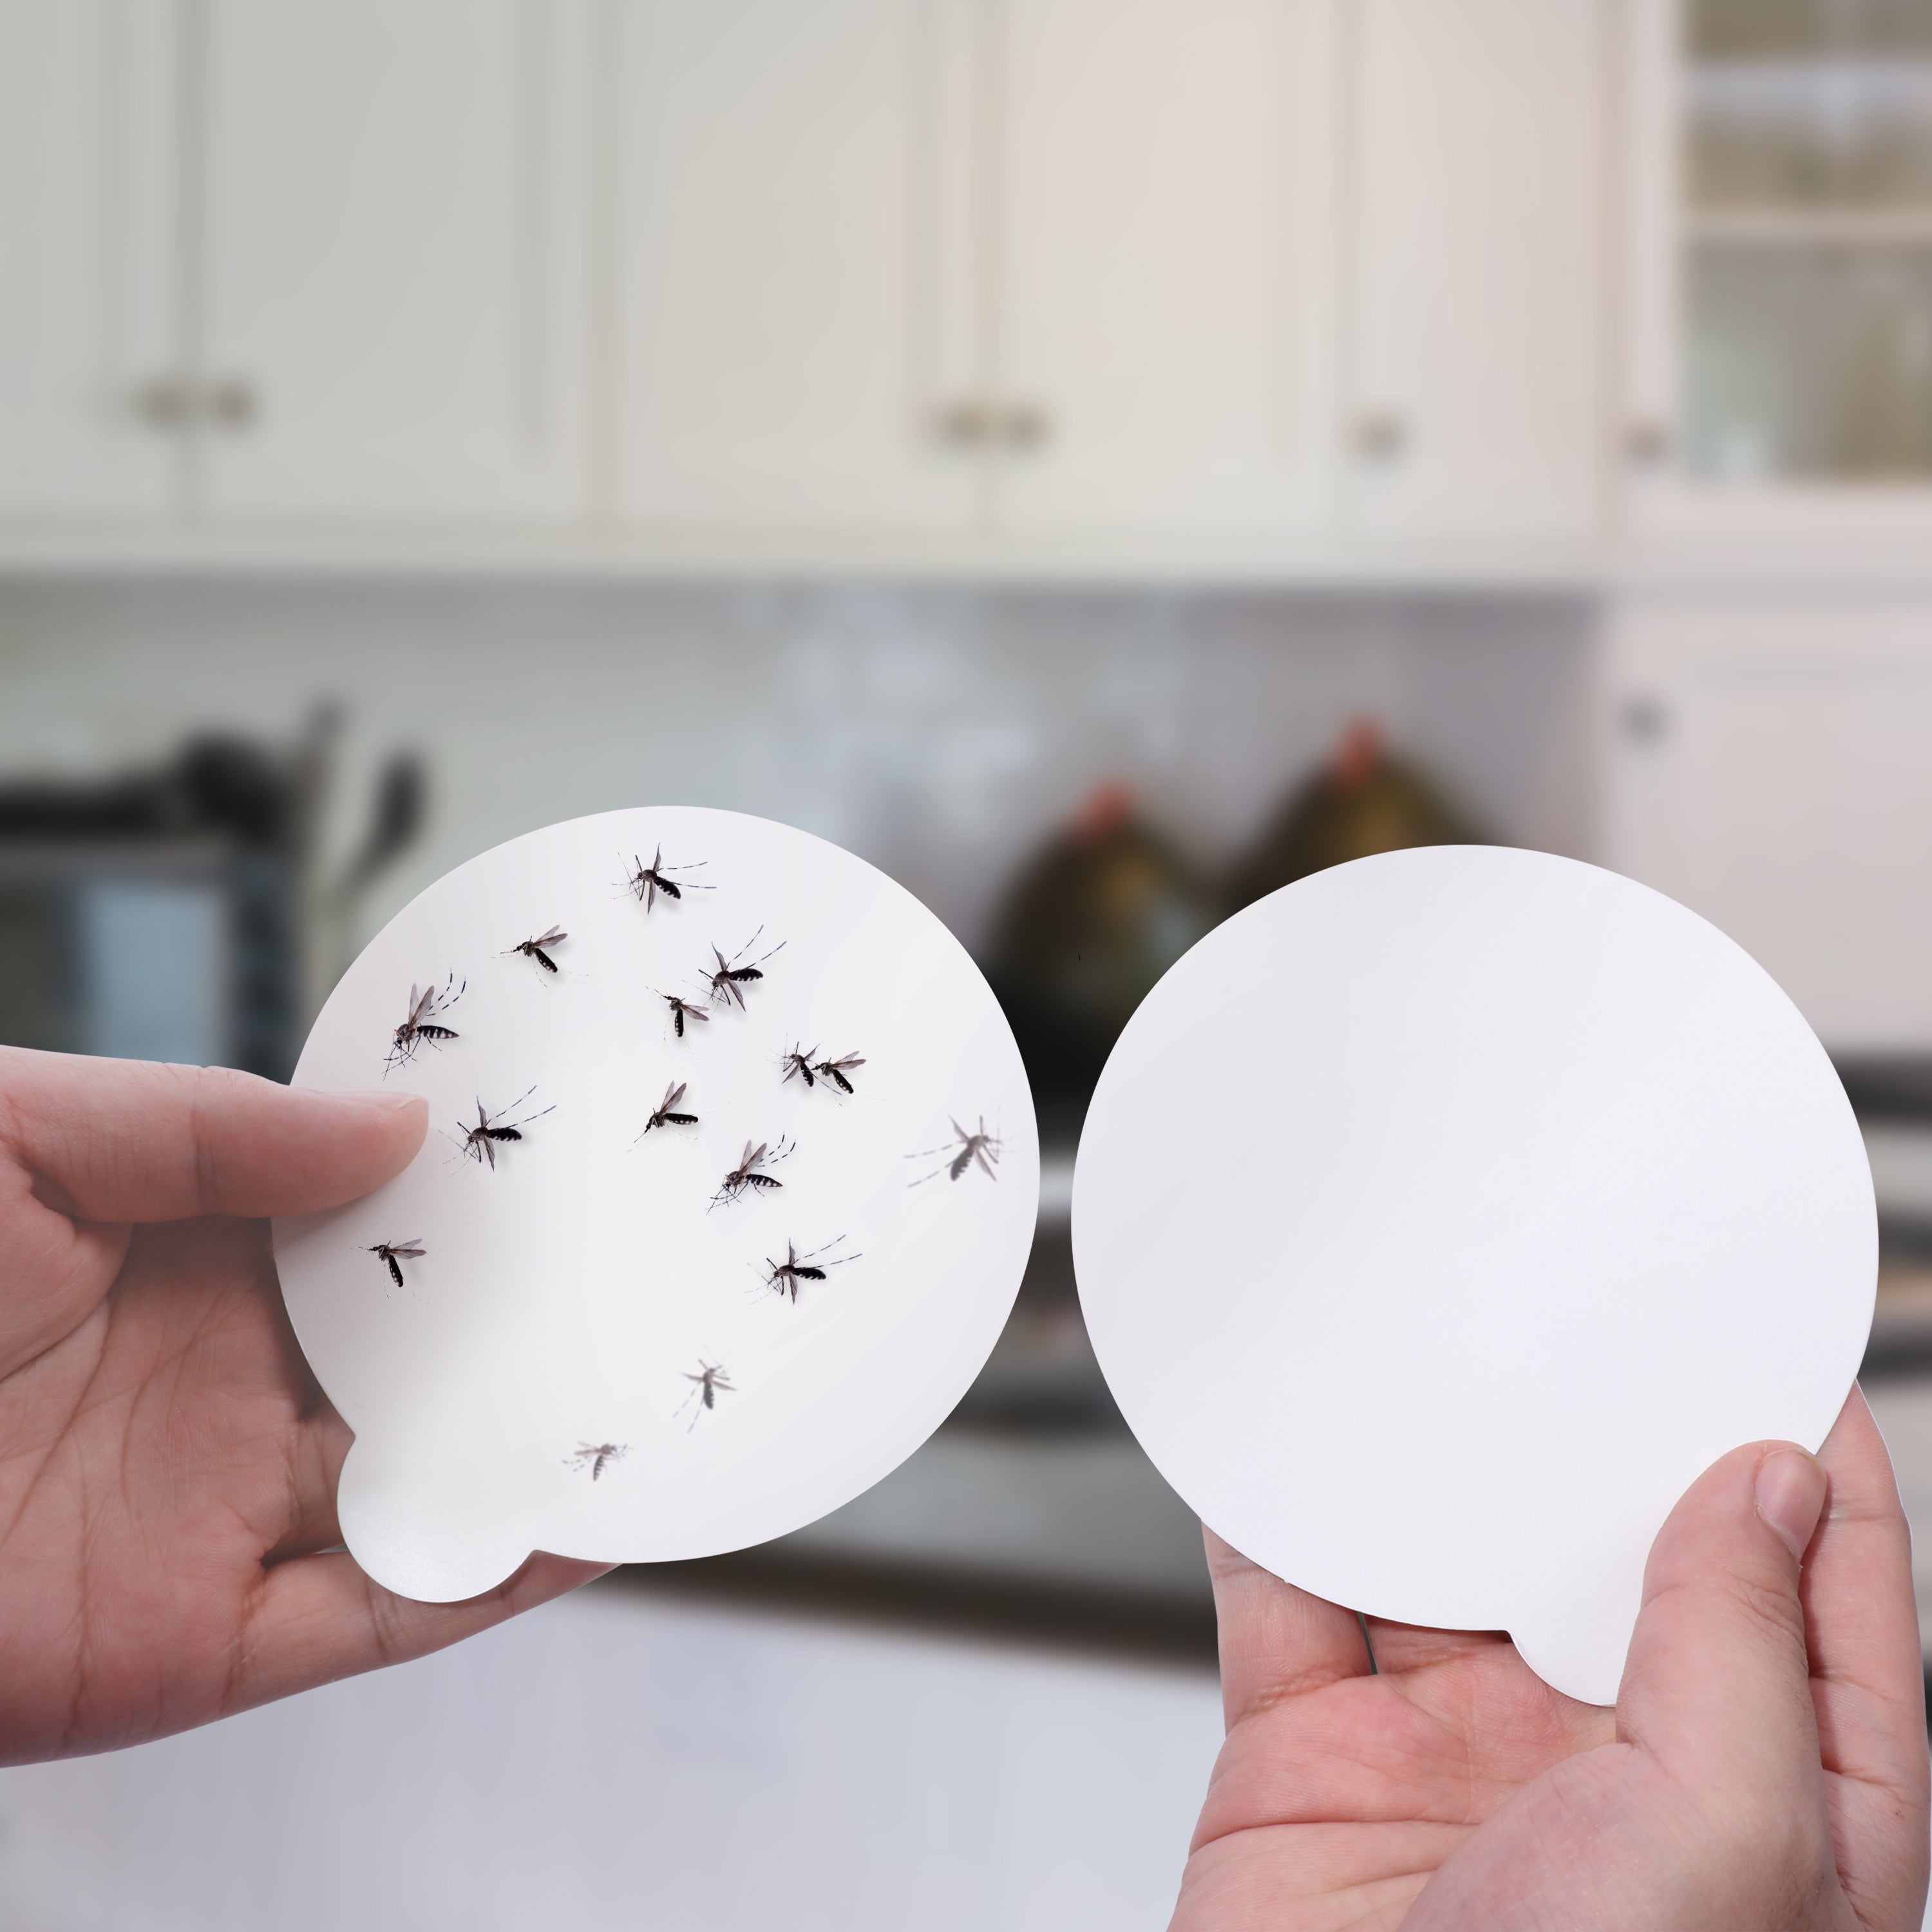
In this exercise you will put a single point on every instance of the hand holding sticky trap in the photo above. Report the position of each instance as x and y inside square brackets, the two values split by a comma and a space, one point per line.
[659, 1297]
[1508, 1195]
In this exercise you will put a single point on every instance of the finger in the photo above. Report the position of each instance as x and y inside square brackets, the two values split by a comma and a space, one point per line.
[1275, 1640]
[1867, 1680]
[119, 1140]
[319, 1618]
[1717, 1687]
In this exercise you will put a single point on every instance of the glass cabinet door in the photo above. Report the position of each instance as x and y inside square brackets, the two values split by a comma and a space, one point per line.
[1807, 173]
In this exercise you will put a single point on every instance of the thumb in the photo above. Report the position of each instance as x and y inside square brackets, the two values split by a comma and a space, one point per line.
[1717, 1685]
[88, 1146]
[124, 1140]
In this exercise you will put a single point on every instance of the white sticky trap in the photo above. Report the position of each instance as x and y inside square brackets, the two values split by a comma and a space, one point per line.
[1439, 1219]
[607, 1346]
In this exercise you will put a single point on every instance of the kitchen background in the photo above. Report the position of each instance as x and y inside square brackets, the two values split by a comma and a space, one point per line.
[1098, 460]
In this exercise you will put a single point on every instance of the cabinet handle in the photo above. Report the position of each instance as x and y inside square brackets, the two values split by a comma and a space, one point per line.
[230, 403]
[966, 425]
[175, 403]
[1381, 436]
[167, 402]
[975, 423]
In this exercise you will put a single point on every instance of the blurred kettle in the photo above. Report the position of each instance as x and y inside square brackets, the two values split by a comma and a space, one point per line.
[1364, 799]
[1094, 919]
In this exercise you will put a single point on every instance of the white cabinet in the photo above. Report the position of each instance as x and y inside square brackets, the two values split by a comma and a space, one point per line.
[1159, 188]
[938, 264]
[1778, 258]
[1079, 284]
[795, 237]
[1478, 295]
[1766, 764]
[392, 259]
[88, 256]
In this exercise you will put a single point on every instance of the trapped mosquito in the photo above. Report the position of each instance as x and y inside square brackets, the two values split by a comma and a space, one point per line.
[711, 1380]
[681, 1010]
[664, 1117]
[749, 1173]
[593, 1456]
[965, 1150]
[729, 980]
[647, 881]
[800, 1061]
[492, 1130]
[783, 1277]
[396, 1252]
[533, 948]
[420, 1023]
[836, 1070]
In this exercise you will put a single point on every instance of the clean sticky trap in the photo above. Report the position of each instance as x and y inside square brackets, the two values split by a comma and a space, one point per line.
[730, 1180]
[1439, 1219]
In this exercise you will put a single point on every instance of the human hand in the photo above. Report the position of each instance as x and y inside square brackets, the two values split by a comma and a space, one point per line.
[167, 1464]
[1765, 1769]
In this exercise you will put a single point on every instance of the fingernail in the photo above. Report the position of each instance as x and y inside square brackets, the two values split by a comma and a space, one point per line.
[389, 1101]
[1791, 1496]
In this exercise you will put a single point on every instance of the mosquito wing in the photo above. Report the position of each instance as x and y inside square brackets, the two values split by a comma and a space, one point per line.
[555, 936]
[674, 1094]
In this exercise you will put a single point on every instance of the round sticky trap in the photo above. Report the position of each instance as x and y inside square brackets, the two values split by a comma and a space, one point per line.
[1439, 1219]
[730, 1180]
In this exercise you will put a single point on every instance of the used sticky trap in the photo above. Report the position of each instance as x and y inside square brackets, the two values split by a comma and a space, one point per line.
[1440, 1218]
[730, 1180]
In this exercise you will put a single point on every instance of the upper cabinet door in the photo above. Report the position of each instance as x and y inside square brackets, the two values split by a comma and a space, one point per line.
[1159, 183]
[88, 307]
[394, 258]
[796, 272]
[1476, 288]
[1764, 762]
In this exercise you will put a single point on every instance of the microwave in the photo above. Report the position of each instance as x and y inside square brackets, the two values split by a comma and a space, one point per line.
[154, 918]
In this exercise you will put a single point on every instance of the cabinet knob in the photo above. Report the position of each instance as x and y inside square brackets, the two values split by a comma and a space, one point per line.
[1024, 426]
[1643, 719]
[166, 402]
[1381, 436]
[231, 403]
[1647, 442]
[967, 424]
